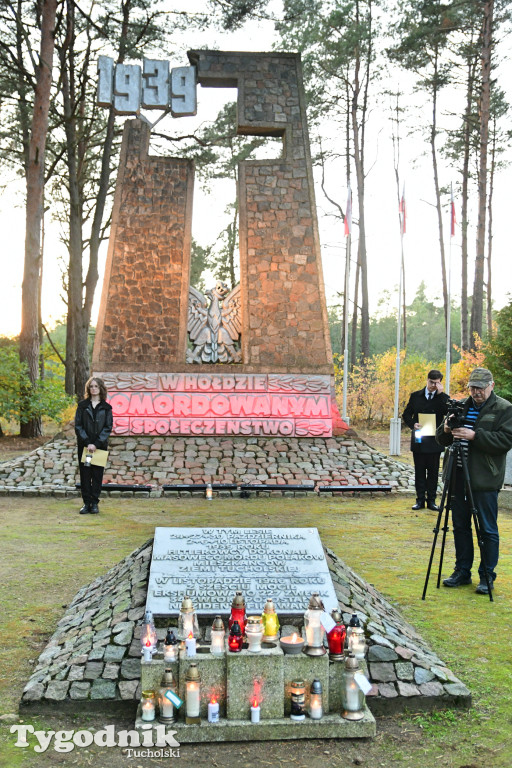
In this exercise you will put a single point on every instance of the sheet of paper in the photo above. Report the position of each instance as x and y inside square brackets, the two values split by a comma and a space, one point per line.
[99, 457]
[428, 424]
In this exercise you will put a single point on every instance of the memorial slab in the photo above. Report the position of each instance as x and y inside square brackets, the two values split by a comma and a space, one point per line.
[210, 564]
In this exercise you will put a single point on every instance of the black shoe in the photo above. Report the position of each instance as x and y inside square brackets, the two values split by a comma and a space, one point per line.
[94, 509]
[419, 505]
[85, 509]
[433, 506]
[457, 579]
[482, 588]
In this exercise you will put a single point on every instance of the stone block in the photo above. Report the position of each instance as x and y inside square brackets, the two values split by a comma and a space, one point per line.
[57, 690]
[79, 690]
[103, 689]
[213, 671]
[250, 673]
[307, 668]
[114, 652]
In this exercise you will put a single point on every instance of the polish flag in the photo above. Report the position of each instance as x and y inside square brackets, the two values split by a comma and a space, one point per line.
[402, 212]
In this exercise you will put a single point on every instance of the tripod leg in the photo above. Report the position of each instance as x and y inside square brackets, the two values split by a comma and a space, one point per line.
[447, 489]
[476, 523]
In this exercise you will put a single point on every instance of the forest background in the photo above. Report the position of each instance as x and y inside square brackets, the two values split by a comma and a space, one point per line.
[416, 84]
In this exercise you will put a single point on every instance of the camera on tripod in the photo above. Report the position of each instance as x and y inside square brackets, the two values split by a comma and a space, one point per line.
[455, 414]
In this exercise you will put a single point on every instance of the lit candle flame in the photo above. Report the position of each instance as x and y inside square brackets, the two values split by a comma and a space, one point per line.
[255, 702]
[148, 643]
[213, 700]
[294, 637]
[190, 636]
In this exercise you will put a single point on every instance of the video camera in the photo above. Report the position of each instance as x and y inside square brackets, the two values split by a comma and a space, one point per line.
[455, 414]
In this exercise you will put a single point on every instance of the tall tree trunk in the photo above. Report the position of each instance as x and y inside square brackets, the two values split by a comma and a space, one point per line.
[361, 251]
[489, 235]
[485, 94]
[29, 337]
[353, 349]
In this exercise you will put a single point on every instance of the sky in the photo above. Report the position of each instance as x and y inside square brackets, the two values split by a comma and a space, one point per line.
[421, 247]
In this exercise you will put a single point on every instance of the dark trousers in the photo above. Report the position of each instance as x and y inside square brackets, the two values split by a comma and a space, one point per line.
[426, 475]
[91, 479]
[486, 503]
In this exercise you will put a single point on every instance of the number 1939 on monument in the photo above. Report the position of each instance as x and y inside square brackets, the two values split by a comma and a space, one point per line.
[128, 87]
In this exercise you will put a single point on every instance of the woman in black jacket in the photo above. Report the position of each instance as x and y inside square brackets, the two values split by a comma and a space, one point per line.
[93, 425]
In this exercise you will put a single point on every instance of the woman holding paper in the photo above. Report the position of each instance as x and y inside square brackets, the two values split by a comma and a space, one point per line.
[93, 425]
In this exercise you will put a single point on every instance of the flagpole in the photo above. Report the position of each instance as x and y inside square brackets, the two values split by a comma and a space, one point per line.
[396, 422]
[448, 316]
[348, 235]
[345, 331]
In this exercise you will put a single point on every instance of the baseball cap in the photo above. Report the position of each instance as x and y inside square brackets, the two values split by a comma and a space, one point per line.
[481, 378]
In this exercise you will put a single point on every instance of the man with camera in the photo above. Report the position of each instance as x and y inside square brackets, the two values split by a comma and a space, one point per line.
[425, 450]
[484, 428]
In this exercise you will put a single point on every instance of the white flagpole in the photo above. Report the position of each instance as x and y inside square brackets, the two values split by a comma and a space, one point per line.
[448, 317]
[396, 422]
[348, 234]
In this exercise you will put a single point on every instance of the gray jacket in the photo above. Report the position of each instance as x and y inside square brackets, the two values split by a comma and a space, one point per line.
[488, 450]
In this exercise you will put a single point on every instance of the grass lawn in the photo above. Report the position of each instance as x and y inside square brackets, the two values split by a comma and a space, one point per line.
[48, 551]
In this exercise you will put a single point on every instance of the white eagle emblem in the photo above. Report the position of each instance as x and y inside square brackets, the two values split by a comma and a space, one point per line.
[214, 330]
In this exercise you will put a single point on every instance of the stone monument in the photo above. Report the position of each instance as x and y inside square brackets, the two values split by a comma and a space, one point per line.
[255, 360]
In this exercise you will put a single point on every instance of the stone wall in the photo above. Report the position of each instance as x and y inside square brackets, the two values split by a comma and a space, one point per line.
[142, 319]
[285, 318]
[159, 461]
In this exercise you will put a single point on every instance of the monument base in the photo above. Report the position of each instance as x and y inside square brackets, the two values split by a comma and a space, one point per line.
[329, 727]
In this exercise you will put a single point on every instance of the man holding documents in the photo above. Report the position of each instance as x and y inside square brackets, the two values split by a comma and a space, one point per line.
[424, 413]
[93, 425]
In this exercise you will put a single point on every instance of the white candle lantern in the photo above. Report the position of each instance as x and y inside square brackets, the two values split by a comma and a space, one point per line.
[148, 636]
[148, 706]
[255, 712]
[165, 704]
[187, 620]
[313, 627]
[190, 645]
[352, 697]
[218, 637]
[316, 709]
[357, 642]
[254, 633]
[170, 647]
[213, 710]
[192, 695]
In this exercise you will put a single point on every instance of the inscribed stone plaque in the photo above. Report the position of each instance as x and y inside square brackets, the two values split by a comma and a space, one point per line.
[210, 564]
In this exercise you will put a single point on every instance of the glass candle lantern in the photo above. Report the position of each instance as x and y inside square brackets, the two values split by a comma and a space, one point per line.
[313, 626]
[213, 710]
[235, 639]
[187, 620]
[148, 705]
[357, 642]
[336, 637]
[254, 633]
[170, 646]
[165, 705]
[270, 622]
[316, 709]
[238, 612]
[192, 695]
[148, 636]
[209, 491]
[218, 636]
[298, 700]
[352, 697]
[354, 622]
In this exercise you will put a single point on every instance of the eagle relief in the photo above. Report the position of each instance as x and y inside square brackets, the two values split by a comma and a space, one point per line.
[214, 329]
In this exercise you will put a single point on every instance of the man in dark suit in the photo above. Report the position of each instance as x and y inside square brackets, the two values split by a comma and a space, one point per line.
[426, 451]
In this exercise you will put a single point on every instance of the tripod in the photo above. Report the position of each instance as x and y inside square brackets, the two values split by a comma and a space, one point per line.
[455, 451]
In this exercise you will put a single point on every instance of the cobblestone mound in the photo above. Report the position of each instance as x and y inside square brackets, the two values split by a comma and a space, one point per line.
[159, 461]
[92, 661]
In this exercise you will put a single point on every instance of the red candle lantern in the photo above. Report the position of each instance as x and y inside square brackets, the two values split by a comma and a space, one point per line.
[238, 612]
[235, 639]
[336, 637]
